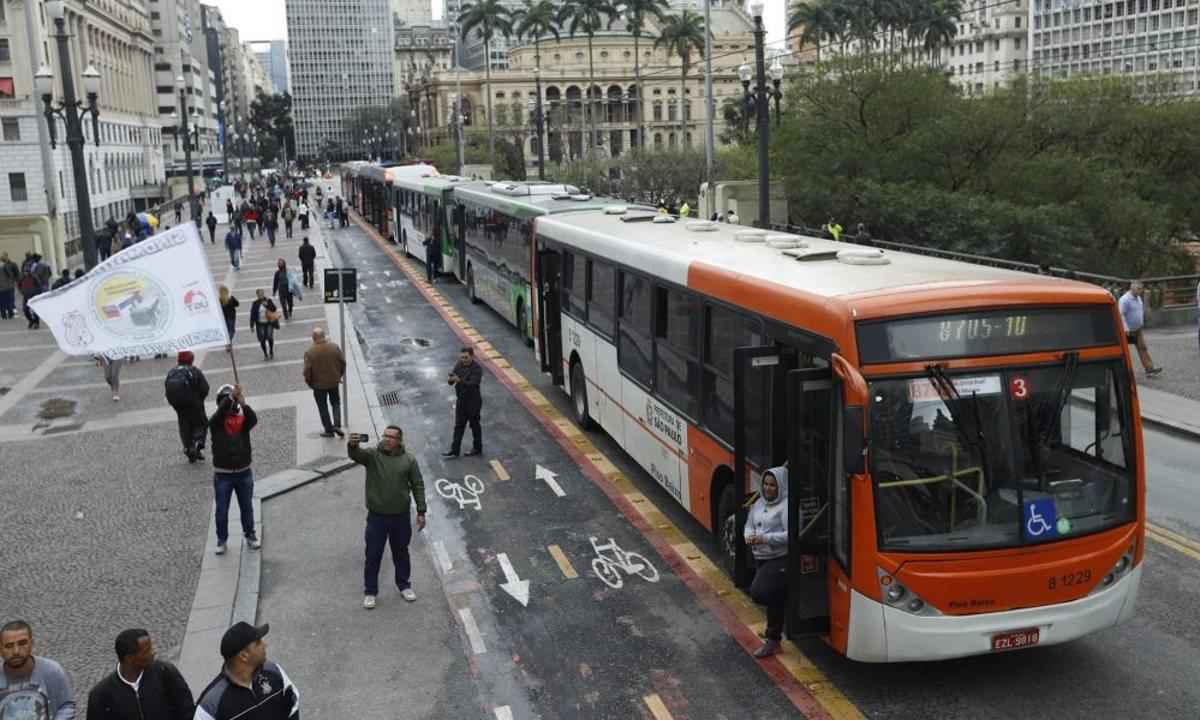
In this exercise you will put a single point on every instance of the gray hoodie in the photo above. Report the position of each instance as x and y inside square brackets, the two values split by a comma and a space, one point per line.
[770, 520]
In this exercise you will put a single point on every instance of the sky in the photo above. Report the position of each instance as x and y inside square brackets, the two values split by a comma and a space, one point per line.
[265, 19]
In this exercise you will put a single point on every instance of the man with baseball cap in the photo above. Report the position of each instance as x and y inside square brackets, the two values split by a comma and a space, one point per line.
[250, 687]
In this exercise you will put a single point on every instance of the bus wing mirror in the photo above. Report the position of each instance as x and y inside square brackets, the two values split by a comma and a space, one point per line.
[854, 440]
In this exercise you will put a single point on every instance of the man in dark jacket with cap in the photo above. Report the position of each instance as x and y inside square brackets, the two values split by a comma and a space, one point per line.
[141, 687]
[250, 687]
[230, 426]
[186, 388]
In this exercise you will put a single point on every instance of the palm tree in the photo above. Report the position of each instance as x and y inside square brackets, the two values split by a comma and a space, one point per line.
[536, 20]
[487, 17]
[637, 12]
[940, 24]
[588, 17]
[815, 21]
[680, 35]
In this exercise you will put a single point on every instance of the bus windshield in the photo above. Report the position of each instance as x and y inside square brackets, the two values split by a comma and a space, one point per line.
[1001, 458]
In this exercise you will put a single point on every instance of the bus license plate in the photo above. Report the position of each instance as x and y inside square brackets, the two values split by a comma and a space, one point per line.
[1015, 640]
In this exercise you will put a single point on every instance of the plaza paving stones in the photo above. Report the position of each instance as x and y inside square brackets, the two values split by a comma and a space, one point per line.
[1177, 350]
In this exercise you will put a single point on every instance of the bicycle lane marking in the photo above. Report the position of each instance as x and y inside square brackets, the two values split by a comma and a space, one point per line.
[805, 686]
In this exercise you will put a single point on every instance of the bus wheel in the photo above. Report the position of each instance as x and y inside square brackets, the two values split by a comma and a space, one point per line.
[579, 398]
[471, 285]
[727, 536]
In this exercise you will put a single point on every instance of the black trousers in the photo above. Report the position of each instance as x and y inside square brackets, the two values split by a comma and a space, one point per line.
[286, 302]
[329, 401]
[463, 417]
[193, 427]
[770, 589]
[394, 530]
[307, 270]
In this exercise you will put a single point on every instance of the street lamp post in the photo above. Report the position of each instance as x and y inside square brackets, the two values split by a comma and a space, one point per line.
[538, 119]
[761, 96]
[72, 113]
[186, 132]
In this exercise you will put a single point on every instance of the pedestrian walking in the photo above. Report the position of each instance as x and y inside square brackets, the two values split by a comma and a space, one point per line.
[834, 229]
[249, 686]
[303, 215]
[232, 459]
[62, 280]
[233, 243]
[271, 225]
[308, 260]
[281, 287]
[250, 217]
[465, 377]
[289, 218]
[141, 687]
[685, 210]
[766, 533]
[211, 222]
[9, 275]
[324, 368]
[35, 687]
[186, 389]
[732, 218]
[433, 256]
[178, 213]
[1133, 317]
[30, 287]
[393, 484]
[229, 306]
[112, 373]
[229, 209]
[264, 320]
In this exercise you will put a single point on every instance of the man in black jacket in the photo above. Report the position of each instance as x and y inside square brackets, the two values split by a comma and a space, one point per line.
[465, 377]
[186, 389]
[141, 687]
[230, 426]
[308, 259]
[249, 686]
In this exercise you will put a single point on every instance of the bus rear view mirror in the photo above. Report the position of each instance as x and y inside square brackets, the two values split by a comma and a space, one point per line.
[854, 440]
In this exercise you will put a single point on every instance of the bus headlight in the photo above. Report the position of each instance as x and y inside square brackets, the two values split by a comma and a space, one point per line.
[1122, 566]
[897, 595]
[896, 592]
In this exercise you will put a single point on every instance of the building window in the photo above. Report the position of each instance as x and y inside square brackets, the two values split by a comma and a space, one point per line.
[5, 53]
[12, 130]
[7, 88]
[16, 186]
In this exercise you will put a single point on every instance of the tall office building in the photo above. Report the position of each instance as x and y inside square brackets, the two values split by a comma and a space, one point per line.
[181, 50]
[413, 12]
[272, 55]
[341, 58]
[471, 54]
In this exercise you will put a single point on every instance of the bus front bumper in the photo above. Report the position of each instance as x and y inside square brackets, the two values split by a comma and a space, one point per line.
[879, 633]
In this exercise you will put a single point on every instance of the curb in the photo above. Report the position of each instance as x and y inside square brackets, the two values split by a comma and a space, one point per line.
[1186, 431]
[228, 588]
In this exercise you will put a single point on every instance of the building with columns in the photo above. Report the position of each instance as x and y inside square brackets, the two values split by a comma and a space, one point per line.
[674, 108]
[125, 172]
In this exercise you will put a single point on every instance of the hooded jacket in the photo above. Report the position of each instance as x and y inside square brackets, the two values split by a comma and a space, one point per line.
[770, 520]
[393, 480]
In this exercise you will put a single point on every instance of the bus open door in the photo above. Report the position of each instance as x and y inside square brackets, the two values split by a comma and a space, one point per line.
[547, 315]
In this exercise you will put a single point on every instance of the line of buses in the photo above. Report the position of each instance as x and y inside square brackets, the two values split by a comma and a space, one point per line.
[963, 443]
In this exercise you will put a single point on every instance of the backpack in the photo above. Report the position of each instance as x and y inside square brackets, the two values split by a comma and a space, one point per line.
[179, 387]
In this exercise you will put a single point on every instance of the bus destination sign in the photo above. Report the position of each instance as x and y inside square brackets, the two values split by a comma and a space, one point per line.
[993, 332]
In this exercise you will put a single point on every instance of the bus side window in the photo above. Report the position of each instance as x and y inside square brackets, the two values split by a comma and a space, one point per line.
[602, 296]
[567, 280]
[725, 331]
[635, 353]
[677, 349]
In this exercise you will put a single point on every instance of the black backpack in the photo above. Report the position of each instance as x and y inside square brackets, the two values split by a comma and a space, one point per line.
[179, 387]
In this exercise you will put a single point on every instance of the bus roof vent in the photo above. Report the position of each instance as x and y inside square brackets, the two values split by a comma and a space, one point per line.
[701, 226]
[750, 236]
[785, 242]
[581, 197]
[863, 256]
[807, 255]
[616, 210]
[510, 188]
[663, 218]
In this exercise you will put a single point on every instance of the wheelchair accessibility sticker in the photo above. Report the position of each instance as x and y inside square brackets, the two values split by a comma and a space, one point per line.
[1040, 520]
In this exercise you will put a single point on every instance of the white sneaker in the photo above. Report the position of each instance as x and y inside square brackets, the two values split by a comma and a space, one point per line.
[221, 549]
[369, 602]
[254, 543]
[408, 595]
[116, 398]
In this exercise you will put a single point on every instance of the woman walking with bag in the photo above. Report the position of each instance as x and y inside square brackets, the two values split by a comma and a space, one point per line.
[282, 288]
[264, 319]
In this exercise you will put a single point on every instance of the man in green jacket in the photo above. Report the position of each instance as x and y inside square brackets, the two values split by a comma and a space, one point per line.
[392, 477]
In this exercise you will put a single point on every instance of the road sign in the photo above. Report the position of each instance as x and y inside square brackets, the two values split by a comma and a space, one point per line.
[341, 285]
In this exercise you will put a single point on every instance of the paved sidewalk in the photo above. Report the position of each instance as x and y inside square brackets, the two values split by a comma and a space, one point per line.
[1171, 400]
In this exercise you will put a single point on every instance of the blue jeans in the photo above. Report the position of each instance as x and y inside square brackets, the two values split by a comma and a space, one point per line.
[235, 258]
[225, 485]
[381, 530]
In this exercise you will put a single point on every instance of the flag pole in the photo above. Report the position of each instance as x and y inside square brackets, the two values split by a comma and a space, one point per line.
[233, 361]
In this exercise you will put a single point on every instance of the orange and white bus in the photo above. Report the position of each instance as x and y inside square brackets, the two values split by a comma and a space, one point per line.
[963, 442]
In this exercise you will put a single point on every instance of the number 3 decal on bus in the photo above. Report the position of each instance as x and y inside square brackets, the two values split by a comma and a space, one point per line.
[1019, 387]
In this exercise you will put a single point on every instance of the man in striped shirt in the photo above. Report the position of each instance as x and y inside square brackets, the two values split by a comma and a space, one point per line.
[250, 687]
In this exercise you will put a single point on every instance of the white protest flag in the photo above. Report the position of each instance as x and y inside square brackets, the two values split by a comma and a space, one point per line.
[154, 297]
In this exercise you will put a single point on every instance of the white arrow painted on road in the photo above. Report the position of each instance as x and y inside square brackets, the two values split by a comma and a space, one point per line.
[514, 586]
[544, 474]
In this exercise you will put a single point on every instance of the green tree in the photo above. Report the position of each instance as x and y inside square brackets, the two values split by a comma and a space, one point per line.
[815, 21]
[538, 19]
[589, 17]
[680, 35]
[487, 18]
[271, 118]
[636, 14]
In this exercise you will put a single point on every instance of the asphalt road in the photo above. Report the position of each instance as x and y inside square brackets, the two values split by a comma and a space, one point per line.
[647, 637]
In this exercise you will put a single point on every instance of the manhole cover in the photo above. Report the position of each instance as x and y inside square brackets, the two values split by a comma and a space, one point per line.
[57, 408]
[417, 342]
[389, 399]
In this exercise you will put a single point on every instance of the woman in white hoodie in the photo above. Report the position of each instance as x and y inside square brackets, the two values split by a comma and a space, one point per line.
[767, 535]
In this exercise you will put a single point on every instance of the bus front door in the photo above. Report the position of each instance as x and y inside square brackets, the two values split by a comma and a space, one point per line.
[548, 316]
[460, 240]
[811, 411]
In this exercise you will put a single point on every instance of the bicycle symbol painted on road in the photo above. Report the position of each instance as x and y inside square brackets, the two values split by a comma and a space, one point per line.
[611, 561]
[465, 493]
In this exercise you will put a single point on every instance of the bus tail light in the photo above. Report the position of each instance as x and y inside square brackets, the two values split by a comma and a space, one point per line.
[896, 595]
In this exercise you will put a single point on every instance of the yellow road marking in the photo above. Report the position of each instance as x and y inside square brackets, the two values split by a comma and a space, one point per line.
[657, 708]
[1172, 535]
[501, 473]
[1154, 534]
[564, 564]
